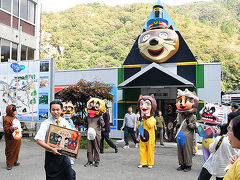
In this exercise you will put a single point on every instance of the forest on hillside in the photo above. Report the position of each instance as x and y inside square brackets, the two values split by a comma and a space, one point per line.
[97, 35]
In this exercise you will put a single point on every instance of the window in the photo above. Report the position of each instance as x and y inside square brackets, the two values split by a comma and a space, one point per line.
[6, 4]
[31, 12]
[15, 7]
[24, 9]
[27, 10]
[5, 50]
[30, 54]
[23, 53]
[14, 51]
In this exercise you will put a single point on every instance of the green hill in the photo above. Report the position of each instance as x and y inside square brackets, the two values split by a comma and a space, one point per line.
[96, 35]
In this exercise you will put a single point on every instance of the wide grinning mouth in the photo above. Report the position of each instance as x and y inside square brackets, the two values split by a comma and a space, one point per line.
[182, 107]
[156, 52]
[208, 117]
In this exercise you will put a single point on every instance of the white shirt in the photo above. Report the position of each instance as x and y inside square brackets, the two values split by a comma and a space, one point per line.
[16, 123]
[218, 160]
[44, 128]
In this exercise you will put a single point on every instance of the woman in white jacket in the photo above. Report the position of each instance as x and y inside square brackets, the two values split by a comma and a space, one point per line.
[218, 159]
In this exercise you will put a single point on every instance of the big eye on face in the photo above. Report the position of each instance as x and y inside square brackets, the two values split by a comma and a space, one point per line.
[97, 106]
[146, 37]
[148, 103]
[163, 35]
[189, 100]
[179, 101]
[145, 104]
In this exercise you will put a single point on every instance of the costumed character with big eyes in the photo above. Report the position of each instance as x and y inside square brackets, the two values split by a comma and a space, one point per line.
[186, 103]
[68, 110]
[95, 107]
[147, 106]
[158, 42]
[211, 116]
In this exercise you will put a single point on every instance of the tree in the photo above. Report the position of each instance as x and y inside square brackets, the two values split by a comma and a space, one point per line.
[80, 93]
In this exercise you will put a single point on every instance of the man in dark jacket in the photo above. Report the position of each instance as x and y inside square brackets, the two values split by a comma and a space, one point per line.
[235, 112]
[105, 133]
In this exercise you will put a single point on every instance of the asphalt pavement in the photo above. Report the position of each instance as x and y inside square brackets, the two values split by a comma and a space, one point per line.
[113, 166]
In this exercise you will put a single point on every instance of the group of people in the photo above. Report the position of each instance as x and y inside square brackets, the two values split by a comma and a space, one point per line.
[58, 166]
[130, 127]
[218, 148]
[223, 162]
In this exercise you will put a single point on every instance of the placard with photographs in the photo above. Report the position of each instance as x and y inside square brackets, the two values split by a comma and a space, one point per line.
[66, 139]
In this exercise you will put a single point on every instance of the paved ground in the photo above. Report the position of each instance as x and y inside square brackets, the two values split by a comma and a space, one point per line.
[120, 166]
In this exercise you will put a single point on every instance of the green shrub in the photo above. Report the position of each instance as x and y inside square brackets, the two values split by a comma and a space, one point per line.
[83, 143]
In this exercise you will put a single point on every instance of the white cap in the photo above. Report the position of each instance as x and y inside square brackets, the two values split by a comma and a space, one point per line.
[91, 134]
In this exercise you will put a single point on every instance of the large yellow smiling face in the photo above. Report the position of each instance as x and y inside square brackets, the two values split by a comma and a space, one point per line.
[158, 45]
[95, 106]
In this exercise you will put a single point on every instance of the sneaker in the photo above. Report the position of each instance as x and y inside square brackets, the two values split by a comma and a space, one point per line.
[149, 167]
[16, 164]
[101, 152]
[126, 147]
[162, 144]
[96, 164]
[116, 150]
[136, 145]
[187, 169]
[72, 161]
[9, 167]
[140, 166]
[181, 168]
[88, 164]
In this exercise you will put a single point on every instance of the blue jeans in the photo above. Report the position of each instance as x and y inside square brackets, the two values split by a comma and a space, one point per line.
[131, 132]
[105, 135]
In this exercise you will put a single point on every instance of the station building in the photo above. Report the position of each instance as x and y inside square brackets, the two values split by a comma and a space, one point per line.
[167, 65]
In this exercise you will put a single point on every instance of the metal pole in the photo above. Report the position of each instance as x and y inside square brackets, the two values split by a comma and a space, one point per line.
[19, 43]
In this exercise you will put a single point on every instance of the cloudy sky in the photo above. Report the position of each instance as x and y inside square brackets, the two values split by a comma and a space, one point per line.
[58, 5]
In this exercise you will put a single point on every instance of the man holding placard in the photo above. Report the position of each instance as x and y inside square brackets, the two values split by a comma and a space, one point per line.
[57, 166]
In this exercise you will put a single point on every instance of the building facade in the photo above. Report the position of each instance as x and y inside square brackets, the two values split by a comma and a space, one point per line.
[19, 29]
[159, 63]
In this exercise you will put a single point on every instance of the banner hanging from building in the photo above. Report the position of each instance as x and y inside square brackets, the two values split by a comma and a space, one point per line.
[29, 86]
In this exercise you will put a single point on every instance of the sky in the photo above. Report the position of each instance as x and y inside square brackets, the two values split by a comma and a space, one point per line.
[59, 5]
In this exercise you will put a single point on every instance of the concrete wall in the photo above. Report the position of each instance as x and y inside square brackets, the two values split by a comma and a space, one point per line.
[68, 77]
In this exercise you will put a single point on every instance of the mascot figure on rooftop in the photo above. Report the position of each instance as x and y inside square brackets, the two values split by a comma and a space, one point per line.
[146, 125]
[212, 114]
[186, 103]
[95, 108]
[158, 42]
